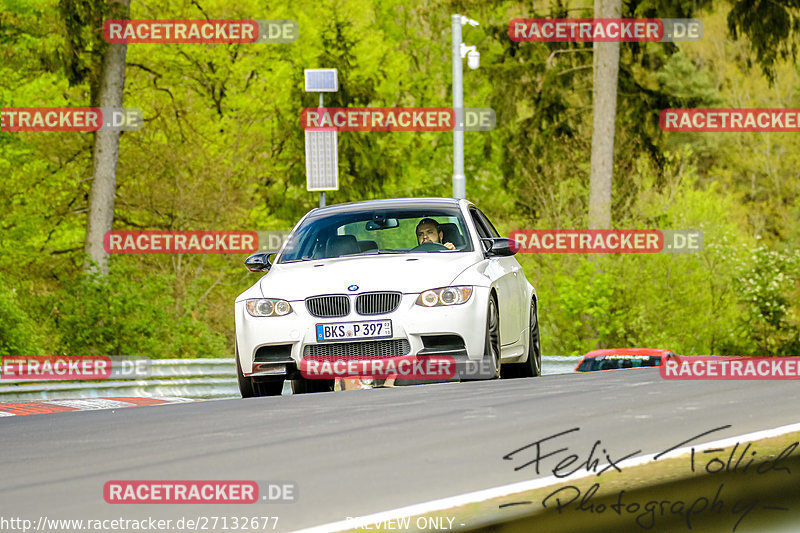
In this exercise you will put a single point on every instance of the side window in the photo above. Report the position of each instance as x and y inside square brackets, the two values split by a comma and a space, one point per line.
[483, 232]
[487, 224]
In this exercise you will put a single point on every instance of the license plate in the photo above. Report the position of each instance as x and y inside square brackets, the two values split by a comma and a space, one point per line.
[372, 329]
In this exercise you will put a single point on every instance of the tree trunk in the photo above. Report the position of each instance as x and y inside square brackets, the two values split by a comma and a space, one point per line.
[606, 70]
[105, 153]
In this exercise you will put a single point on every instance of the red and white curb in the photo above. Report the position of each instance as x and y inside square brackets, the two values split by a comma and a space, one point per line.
[85, 404]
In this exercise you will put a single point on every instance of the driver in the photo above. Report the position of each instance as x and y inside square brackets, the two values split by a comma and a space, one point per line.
[428, 231]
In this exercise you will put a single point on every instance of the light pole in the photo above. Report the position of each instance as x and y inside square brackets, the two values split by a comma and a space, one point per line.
[459, 51]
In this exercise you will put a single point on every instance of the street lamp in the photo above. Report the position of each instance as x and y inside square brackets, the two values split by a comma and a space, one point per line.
[460, 50]
[473, 56]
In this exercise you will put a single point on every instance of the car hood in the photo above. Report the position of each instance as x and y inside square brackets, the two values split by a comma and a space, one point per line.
[406, 273]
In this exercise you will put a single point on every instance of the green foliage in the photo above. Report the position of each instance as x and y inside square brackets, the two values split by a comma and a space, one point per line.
[767, 286]
[128, 313]
[222, 149]
[683, 302]
[581, 310]
[18, 335]
[685, 85]
[772, 28]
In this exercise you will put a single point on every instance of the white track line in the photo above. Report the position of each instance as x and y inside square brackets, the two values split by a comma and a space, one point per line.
[532, 484]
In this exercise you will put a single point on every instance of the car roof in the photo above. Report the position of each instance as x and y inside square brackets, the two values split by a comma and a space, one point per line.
[642, 352]
[390, 203]
[628, 351]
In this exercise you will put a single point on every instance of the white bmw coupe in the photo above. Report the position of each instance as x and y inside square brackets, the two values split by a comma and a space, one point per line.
[386, 278]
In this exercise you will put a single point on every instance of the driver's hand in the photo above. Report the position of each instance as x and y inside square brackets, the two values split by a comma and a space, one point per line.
[450, 246]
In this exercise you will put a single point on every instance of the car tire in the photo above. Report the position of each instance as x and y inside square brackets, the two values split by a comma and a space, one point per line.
[533, 366]
[492, 339]
[305, 386]
[245, 384]
[492, 342]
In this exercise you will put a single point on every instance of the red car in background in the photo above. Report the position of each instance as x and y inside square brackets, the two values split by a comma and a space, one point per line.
[615, 359]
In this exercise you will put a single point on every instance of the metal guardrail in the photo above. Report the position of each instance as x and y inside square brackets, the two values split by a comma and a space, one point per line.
[559, 364]
[186, 378]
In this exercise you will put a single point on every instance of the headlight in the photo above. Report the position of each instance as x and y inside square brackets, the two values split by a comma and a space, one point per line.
[444, 296]
[268, 307]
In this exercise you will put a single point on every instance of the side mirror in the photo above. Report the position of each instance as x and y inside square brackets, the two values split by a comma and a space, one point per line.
[260, 262]
[499, 247]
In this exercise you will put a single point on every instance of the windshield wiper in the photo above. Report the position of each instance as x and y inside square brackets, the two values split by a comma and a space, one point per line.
[381, 252]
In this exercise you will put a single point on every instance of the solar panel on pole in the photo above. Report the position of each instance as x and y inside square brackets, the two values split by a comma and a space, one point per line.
[321, 80]
[322, 160]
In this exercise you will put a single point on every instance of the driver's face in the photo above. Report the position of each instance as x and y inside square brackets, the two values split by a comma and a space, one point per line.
[427, 233]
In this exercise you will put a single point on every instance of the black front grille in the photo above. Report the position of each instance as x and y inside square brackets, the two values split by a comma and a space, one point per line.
[331, 306]
[390, 348]
[377, 303]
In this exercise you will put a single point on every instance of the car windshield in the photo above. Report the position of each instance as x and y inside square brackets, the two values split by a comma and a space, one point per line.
[376, 231]
[613, 362]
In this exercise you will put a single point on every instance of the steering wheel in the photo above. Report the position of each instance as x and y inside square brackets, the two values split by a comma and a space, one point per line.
[429, 247]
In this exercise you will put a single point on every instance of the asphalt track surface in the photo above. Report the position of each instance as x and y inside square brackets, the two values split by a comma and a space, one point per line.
[360, 452]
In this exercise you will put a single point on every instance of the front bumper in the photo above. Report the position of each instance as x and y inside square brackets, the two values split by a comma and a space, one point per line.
[281, 342]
